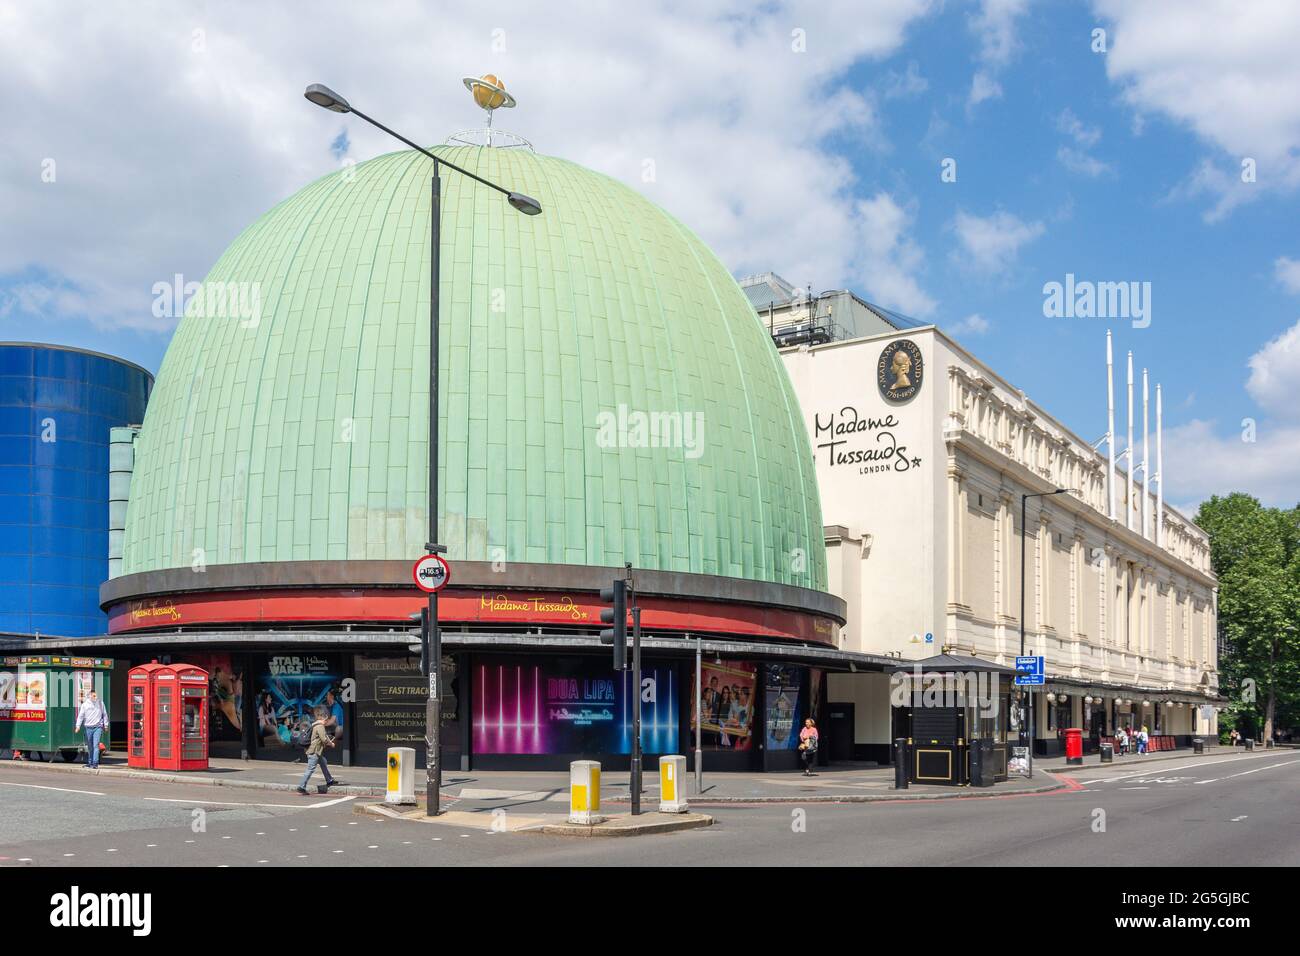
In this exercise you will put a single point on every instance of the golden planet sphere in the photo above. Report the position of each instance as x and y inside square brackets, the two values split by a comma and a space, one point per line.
[488, 92]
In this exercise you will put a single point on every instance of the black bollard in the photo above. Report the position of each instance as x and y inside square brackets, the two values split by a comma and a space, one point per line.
[900, 763]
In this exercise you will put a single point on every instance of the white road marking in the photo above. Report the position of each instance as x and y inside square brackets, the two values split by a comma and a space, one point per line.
[1285, 763]
[1211, 780]
[33, 786]
[1135, 788]
[1238, 819]
[236, 803]
[1187, 766]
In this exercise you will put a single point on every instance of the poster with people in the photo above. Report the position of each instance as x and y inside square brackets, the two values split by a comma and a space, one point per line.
[225, 697]
[784, 705]
[727, 699]
[288, 689]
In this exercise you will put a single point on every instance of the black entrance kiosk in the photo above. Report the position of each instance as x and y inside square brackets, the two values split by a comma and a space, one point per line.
[953, 710]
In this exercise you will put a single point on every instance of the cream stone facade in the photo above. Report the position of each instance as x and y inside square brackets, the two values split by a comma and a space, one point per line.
[922, 501]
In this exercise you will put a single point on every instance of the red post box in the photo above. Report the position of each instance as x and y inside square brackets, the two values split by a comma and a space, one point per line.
[1073, 745]
[140, 715]
[180, 705]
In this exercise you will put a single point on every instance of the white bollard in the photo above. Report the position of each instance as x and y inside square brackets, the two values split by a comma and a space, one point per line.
[672, 784]
[401, 775]
[584, 792]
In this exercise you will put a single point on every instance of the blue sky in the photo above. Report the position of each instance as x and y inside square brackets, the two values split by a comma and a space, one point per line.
[805, 139]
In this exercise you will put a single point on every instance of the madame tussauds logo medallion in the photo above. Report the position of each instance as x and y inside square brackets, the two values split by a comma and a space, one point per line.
[900, 370]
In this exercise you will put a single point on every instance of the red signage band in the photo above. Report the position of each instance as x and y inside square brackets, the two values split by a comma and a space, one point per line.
[465, 606]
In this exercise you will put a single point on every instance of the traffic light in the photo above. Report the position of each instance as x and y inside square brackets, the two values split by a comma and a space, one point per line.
[421, 617]
[616, 615]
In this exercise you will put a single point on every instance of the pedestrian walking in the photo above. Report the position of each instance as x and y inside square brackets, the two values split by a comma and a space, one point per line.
[1236, 737]
[318, 739]
[1121, 740]
[808, 745]
[92, 719]
[1143, 737]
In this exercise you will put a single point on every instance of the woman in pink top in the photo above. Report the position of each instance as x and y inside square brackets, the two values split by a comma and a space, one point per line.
[808, 745]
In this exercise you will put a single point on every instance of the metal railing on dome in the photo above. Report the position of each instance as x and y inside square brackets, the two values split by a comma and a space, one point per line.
[485, 136]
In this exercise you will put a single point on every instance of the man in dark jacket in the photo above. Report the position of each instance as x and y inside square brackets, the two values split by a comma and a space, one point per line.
[320, 739]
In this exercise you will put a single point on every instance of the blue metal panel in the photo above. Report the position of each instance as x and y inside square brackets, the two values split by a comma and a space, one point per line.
[56, 408]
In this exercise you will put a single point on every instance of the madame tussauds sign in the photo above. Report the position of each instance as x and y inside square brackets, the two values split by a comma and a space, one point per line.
[871, 444]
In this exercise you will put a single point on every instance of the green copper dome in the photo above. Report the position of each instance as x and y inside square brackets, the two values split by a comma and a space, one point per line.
[290, 423]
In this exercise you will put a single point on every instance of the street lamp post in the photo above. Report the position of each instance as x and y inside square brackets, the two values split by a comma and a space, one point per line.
[1027, 724]
[326, 98]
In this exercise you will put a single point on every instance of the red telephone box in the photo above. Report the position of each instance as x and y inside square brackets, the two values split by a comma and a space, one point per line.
[140, 714]
[180, 708]
[167, 717]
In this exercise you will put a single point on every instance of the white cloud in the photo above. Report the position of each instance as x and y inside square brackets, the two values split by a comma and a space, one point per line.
[890, 259]
[906, 84]
[1227, 71]
[1084, 135]
[169, 142]
[990, 244]
[1274, 381]
[1199, 462]
[1287, 272]
[1076, 157]
[994, 26]
[1077, 161]
[983, 87]
[973, 324]
[1259, 454]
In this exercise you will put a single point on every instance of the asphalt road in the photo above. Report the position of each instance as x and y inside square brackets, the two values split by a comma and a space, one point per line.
[1233, 810]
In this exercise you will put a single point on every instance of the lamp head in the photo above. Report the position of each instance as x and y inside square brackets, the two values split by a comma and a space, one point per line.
[525, 204]
[326, 98]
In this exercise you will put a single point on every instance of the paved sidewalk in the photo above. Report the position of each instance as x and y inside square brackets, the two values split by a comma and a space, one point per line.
[547, 790]
[515, 789]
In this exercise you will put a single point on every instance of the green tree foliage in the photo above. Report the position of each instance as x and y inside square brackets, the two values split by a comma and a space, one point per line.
[1255, 551]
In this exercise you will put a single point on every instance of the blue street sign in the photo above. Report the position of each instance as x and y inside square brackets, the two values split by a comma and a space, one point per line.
[1029, 672]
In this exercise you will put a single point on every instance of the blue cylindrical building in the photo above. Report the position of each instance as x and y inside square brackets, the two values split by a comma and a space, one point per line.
[57, 406]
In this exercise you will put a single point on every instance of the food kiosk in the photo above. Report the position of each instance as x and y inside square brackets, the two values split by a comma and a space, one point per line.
[39, 699]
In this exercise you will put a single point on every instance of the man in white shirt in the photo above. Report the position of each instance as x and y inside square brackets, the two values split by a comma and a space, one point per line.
[92, 717]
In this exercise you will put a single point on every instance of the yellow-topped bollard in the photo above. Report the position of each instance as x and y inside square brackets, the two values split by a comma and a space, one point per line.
[672, 784]
[401, 775]
[584, 792]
